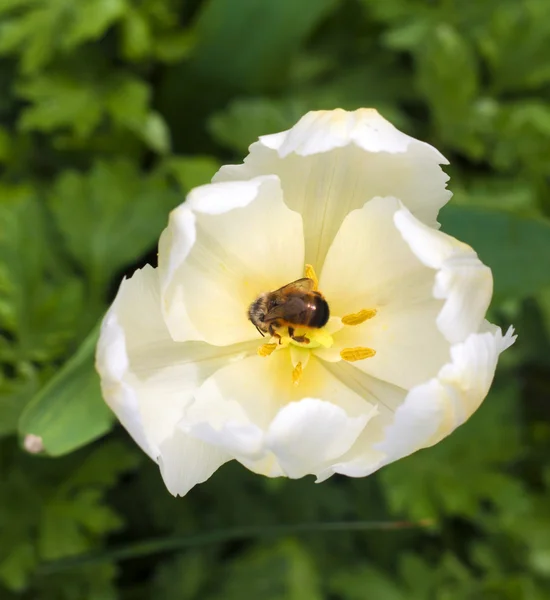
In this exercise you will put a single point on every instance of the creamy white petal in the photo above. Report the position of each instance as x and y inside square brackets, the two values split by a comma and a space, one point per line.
[237, 406]
[436, 408]
[370, 266]
[332, 162]
[186, 461]
[148, 380]
[462, 280]
[307, 434]
[430, 411]
[228, 243]
[363, 458]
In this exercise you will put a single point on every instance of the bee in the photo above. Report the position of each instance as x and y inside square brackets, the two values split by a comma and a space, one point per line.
[295, 304]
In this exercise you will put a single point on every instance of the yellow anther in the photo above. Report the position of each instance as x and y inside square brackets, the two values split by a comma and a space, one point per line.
[359, 353]
[266, 349]
[359, 317]
[310, 274]
[297, 373]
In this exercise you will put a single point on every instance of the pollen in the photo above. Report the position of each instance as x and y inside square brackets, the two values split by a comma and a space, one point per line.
[310, 274]
[359, 317]
[297, 373]
[359, 353]
[266, 349]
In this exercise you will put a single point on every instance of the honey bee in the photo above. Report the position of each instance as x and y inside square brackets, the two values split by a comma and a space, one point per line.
[295, 304]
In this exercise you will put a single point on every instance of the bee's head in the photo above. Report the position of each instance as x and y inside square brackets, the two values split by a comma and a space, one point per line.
[258, 309]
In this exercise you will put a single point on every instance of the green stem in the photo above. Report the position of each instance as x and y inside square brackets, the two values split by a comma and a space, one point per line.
[166, 544]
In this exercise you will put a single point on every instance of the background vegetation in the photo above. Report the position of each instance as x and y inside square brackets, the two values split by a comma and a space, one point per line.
[110, 110]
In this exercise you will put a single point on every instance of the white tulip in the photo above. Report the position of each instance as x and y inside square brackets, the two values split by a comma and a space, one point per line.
[405, 358]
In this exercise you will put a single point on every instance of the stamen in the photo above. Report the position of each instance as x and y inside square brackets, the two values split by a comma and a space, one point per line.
[310, 274]
[297, 373]
[266, 349]
[359, 353]
[359, 317]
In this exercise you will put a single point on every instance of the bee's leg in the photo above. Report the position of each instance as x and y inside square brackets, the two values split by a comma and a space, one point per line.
[273, 332]
[301, 339]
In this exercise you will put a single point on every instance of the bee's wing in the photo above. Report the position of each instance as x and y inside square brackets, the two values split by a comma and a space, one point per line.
[292, 307]
[304, 286]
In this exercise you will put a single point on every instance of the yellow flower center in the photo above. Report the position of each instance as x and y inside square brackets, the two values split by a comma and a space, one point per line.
[311, 338]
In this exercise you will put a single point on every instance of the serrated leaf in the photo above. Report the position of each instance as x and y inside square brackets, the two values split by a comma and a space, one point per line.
[433, 480]
[77, 514]
[448, 80]
[40, 300]
[516, 248]
[69, 411]
[68, 523]
[245, 120]
[110, 216]
[80, 102]
[15, 393]
[283, 571]
[41, 28]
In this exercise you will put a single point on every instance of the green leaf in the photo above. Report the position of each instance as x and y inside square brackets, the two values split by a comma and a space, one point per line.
[283, 571]
[182, 577]
[39, 29]
[15, 393]
[448, 80]
[5, 145]
[431, 481]
[516, 248]
[245, 120]
[80, 102]
[69, 411]
[92, 583]
[260, 37]
[191, 171]
[67, 523]
[16, 567]
[364, 583]
[40, 300]
[111, 216]
[496, 193]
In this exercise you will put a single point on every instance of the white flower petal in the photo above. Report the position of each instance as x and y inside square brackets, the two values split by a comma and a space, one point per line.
[239, 403]
[363, 458]
[186, 461]
[370, 266]
[462, 280]
[148, 379]
[430, 411]
[307, 434]
[433, 410]
[228, 243]
[332, 162]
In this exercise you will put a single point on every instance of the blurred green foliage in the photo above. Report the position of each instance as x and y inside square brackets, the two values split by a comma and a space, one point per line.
[110, 111]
